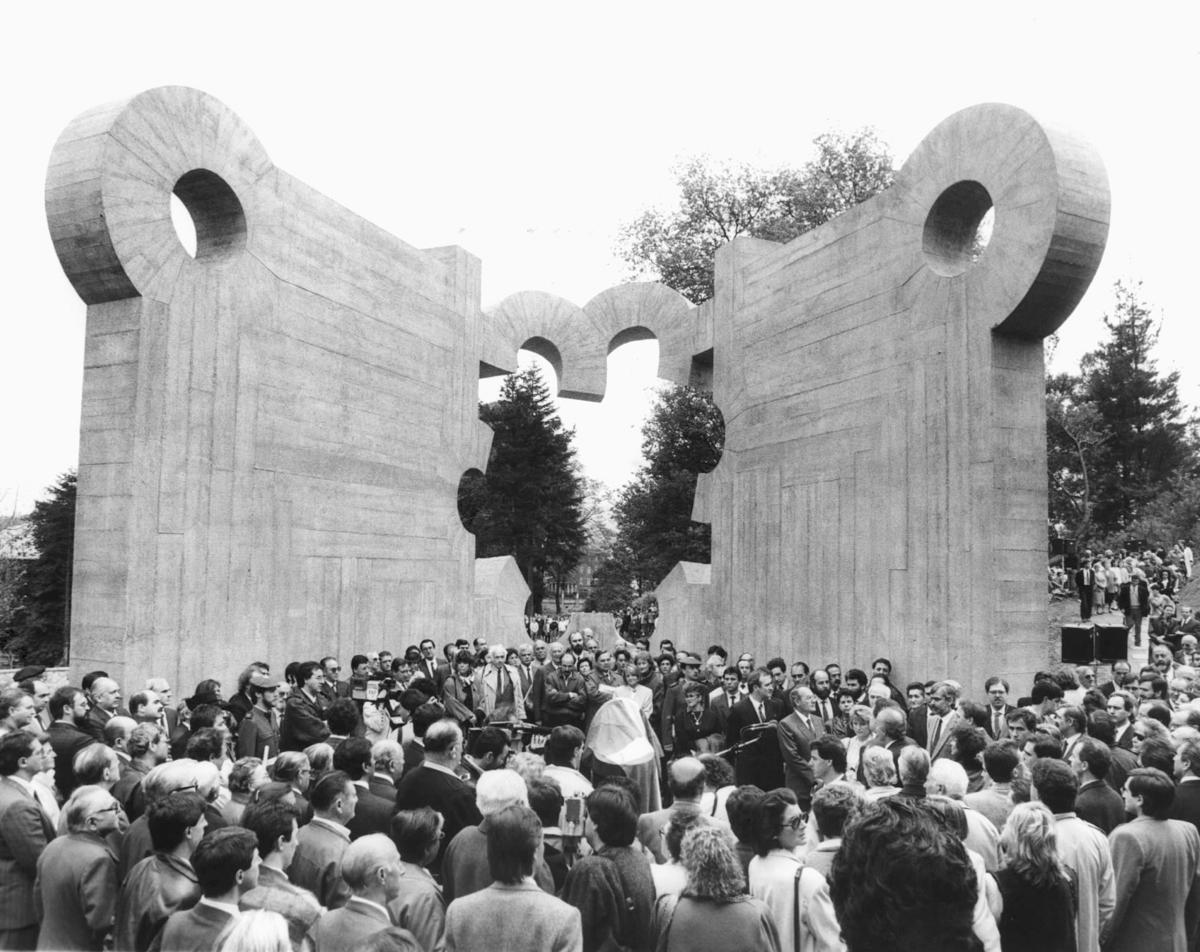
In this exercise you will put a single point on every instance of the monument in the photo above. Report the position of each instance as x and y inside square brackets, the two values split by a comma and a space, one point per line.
[273, 432]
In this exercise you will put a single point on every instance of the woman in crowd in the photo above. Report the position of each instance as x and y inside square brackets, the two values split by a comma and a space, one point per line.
[714, 913]
[247, 775]
[419, 907]
[670, 877]
[612, 888]
[458, 691]
[856, 743]
[1036, 888]
[718, 785]
[778, 837]
[635, 689]
[879, 773]
[840, 725]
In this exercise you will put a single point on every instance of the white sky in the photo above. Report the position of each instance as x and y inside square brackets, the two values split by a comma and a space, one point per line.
[529, 133]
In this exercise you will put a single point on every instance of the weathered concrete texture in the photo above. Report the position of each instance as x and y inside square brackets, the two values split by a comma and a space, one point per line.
[273, 433]
[883, 485]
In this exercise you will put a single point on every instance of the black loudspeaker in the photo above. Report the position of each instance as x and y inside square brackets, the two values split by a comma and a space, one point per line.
[1112, 643]
[1078, 643]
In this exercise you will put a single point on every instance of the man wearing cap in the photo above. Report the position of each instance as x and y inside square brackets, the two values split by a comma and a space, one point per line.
[258, 734]
[689, 666]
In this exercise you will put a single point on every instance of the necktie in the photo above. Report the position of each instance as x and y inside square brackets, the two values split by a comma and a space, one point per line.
[937, 733]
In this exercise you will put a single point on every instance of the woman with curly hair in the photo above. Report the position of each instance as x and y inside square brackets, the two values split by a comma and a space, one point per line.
[714, 913]
[1037, 888]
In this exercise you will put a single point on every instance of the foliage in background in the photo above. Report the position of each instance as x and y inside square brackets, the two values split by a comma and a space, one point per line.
[683, 436]
[39, 622]
[718, 202]
[531, 501]
[1122, 455]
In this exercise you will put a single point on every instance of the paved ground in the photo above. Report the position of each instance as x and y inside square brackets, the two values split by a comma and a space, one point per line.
[1066, 612]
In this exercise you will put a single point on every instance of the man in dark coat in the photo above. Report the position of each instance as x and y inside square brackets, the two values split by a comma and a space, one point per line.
[436, 784]
[68, 706]
[754, 721]
[304, 716]
[1186, 805]
[226, 867]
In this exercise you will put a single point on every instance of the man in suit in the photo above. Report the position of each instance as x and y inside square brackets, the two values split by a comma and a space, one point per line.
[372, 813]
[1186, 805]
[825, 707]
[1096, 801]
[24, 832]
[998, 707]
[76, 890]
[429, 666]
[797, 731]
[371, 867]
[436, 784]
[551, 663]
[686, 778]
[943, 717]
[226, 863]
[106, 700]
[1155, 865]
[917, 711]
[274, 826]
[304, 716]
[333, 688]
[68, 706]
[497, 688]
[389, 768]
[513, 912]
[721, 701]
[317, 864]
[527, 670]
[1085, 581]
[755, 719]
[170, 716]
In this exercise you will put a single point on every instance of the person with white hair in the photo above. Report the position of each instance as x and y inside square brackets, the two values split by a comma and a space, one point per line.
[465, 864]
[76, 890]
[949, 779]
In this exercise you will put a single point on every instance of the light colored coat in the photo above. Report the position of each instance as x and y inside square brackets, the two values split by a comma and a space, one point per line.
[1084, 848]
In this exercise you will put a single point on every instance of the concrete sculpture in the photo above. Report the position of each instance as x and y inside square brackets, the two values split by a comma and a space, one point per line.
[273, 432]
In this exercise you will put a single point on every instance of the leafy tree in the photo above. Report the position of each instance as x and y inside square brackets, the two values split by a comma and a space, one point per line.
[683, 436]
[41, 621]
[1074, 434]
[718, 202]
[1148, 441]
[530, 502]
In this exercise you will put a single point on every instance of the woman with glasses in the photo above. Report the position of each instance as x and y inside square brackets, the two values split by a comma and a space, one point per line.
[778, 839]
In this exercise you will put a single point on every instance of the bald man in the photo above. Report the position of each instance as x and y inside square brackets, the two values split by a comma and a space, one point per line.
[686, 779]
[371, 868]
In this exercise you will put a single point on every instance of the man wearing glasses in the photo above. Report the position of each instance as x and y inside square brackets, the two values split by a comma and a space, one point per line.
[77, 884]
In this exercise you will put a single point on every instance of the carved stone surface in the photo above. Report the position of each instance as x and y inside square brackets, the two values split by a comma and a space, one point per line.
[273, 433]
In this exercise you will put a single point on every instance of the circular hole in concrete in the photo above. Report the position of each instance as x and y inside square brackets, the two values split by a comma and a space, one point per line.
[958, 228]
[214, 213]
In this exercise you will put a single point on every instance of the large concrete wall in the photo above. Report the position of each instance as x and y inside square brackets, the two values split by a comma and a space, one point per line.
[883, 486]
[273, 433]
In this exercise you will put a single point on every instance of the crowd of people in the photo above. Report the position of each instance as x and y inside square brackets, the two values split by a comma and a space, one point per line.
[570, 795]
